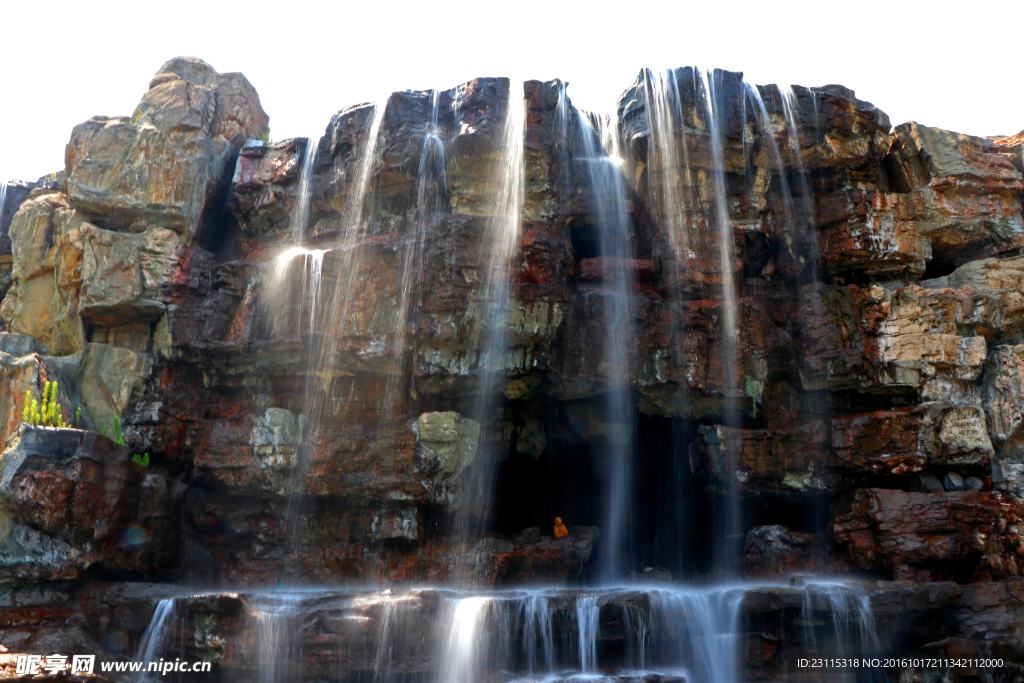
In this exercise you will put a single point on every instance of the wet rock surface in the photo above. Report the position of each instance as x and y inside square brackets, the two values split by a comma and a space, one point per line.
[908, 532]
[73, 501]
[774, 552]
[863, 407]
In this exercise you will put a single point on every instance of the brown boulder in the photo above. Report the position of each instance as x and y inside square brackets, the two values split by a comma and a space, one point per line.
[47, 254]
[907, 533]
[73, 499]
[682, 359]
[548, 561]
[878, 340]
[775, 552]
[163, 166]
[906, 440]
[265, 187]
[789, 463]
[966, 190]
[870, 234]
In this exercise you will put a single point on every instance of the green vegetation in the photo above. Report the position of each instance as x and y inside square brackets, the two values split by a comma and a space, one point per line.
[748, 385]
[118, 437]
[141, 461]
[49, 413]
[78, 414]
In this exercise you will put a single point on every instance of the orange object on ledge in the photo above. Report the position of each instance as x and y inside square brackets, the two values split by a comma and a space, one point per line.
[560, 530]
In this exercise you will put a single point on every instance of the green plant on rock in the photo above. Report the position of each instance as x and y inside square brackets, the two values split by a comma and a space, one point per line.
[49, 413]
[141, 461]
[118, 437]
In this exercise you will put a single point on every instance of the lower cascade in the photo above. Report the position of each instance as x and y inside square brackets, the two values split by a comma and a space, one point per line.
[722, 384]
[668, 633]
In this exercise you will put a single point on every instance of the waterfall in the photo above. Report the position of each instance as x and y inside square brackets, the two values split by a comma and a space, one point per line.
[500, 246]
[384, 654]
[688, 194]
[847, 605]
[279, 299]
[765, 127]
[322, 349]
[669, 156]
[637, 623]
[465, 647]
[278, 638]
[729, 549]
[431, 195]
[853, 630]
[697, 631]
[798, 226]
[587, 613]
[301, 215]
[537, 625]
[154, 640]
[613, 299]
[805, 227]
[696, 634]
[443, 636]
[504, 238]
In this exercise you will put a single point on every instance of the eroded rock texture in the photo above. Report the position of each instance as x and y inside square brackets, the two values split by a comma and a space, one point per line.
[340, 411]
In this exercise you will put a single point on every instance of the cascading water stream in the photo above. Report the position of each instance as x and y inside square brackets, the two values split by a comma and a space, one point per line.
[277, 288]
[154, 640]
[465, 648]
[853, 630]
[537, 625]
[500, 248]
[280, 280]
[798, 227]
[613, 300]
[277, 636]
[300, 217]
[697, 631]
[805, 230]
[637, 623]
[729, 549]
[587, 614]
[322, 349]
[543, 634]
[687, 195]
[431, 190]
[672, 177]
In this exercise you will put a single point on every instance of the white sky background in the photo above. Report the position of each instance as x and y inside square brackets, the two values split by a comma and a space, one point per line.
[64, 62]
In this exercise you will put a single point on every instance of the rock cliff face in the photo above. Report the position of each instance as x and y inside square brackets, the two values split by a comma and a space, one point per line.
[316, 417]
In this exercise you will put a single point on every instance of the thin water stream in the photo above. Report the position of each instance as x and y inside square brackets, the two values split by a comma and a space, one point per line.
[540, 634]
[500, 246]
[431, 202]
[321, 348]
[154, 641]
[687, 196]
[612, 298]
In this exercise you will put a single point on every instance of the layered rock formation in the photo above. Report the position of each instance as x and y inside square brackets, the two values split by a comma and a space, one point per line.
[317, 416]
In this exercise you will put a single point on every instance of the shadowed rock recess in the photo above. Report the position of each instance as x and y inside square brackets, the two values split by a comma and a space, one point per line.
[325, 397]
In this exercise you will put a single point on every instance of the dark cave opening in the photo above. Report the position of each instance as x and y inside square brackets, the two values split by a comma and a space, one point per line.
[672, 523]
